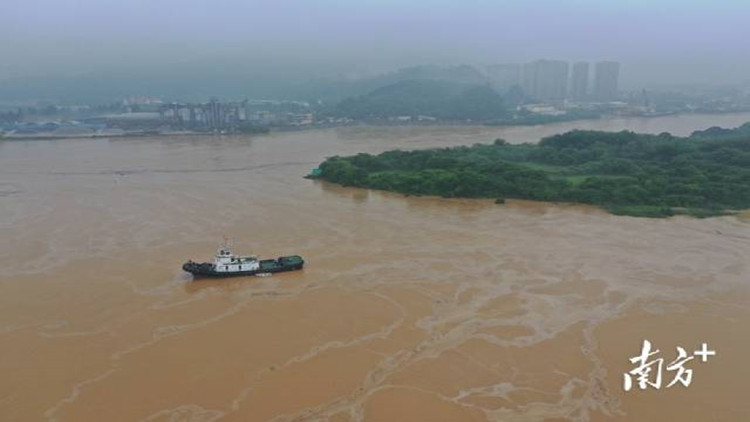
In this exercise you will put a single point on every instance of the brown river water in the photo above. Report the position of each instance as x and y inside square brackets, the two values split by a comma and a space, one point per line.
[409, 309]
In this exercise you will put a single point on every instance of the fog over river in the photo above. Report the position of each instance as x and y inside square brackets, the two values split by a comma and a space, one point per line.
[408, 309]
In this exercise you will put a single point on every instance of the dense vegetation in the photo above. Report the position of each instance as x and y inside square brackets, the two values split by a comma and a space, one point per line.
[624, 172]
[438, 99]
[715, 132]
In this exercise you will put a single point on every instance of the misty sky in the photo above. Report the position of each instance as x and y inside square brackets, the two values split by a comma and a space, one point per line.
[658, 41]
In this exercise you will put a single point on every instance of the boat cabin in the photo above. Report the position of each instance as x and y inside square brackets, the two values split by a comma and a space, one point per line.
[226, 261]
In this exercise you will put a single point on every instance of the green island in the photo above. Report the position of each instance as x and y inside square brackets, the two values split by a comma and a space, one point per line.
[706, 174]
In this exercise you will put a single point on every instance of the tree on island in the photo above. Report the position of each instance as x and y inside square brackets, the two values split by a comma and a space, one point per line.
[623, 172]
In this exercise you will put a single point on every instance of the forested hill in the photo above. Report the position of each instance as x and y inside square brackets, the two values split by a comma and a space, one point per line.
[716, 132]
[442, 100]
[623, 172]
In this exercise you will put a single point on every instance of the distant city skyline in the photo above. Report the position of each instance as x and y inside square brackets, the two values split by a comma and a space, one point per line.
[579, 81]
[606, 80]
[545, 79]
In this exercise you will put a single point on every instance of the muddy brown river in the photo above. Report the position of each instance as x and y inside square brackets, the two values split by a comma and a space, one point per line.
[409, 309]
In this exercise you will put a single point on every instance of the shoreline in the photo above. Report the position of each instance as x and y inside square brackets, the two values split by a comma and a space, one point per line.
[286, 129]
[677, 211]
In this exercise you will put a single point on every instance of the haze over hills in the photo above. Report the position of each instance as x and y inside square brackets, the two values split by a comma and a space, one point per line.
[234, 81]
[375, 59]
[88, 50]
[430, 99]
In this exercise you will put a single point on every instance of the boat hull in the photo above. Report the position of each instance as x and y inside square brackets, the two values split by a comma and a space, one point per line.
[281, 264]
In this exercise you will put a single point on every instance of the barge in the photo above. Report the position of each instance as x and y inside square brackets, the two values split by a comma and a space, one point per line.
[227, 264]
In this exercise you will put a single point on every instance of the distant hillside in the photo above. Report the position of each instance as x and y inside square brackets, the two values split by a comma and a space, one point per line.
[227, 78]
[716, 132]
[436, 98]
[458, 74]
[333, 90]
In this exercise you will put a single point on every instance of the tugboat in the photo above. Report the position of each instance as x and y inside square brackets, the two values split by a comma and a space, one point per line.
[227, 264]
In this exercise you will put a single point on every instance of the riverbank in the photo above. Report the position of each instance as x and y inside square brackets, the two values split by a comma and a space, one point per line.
[52, 137]
[385, 124]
